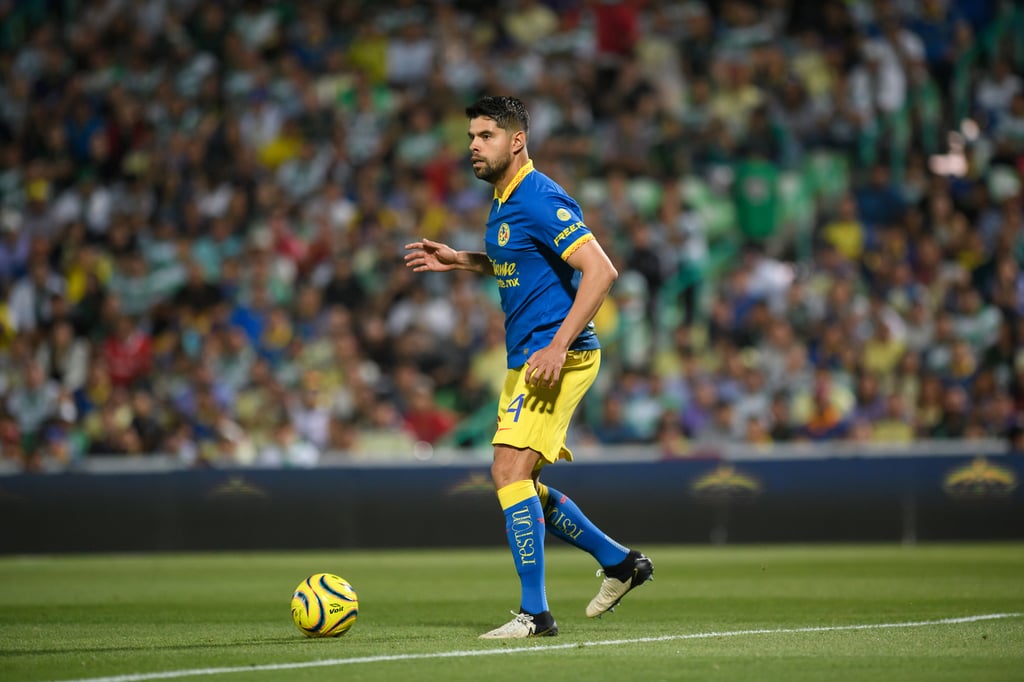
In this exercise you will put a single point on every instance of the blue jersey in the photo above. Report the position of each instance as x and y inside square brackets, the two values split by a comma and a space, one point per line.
[531, 231]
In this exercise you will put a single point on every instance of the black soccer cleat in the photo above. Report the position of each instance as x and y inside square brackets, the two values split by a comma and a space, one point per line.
[633, 571]
[525, 625]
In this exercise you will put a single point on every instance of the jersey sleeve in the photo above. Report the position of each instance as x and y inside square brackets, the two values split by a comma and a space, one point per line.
[557, 223]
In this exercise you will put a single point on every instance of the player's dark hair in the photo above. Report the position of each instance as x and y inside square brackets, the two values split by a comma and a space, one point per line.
[508, 112]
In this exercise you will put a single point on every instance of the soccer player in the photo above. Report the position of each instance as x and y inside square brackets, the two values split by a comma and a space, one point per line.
[552, 276]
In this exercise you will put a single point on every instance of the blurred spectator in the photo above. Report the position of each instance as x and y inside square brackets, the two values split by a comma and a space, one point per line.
[954, 421]
[996, 89]
[489, 361]
[670, 438]
[146, 423]
[416, 308]
[845, 231]
[612, 427]
[128, 352]
[252, 316]
[40, 409]
[1009, 131]
[685, 232]
[382, 433]
[882, 351]
[698, 414]
[878, 201]
[14, 246]
[288, 449]
[310, 414]
[825, 421]
[530, 21]
[64, 357]
[260, 396]
[197, 297]
[802, 117]
[110, 429]
[343, 287]
[752, 409]
[756, 432]
[781, 428]
[410, 54]
[428, 421]
[644, 257]
[723, 425]
[33, 295]
[644, 401]
[276, 336]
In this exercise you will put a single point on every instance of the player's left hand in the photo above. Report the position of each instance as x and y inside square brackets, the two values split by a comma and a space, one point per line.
[544, 367]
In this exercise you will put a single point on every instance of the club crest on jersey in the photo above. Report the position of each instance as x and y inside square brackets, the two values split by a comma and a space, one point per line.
[503, 234]
[563, 214]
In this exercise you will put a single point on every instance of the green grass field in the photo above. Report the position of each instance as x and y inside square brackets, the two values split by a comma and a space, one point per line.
[735, 613]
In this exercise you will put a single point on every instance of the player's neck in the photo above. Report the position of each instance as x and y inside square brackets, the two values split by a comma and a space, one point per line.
[518, 161]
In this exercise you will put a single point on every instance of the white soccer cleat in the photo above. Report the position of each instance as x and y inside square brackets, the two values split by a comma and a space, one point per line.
[635, 570]
[525, 625]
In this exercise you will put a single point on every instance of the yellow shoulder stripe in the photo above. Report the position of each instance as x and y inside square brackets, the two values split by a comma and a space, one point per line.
[571, 249]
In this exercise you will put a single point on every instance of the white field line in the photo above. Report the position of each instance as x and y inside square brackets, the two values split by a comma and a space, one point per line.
[540, 648]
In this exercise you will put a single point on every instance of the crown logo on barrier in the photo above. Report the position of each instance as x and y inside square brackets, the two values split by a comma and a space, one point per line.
[980, 480]
[725, 483]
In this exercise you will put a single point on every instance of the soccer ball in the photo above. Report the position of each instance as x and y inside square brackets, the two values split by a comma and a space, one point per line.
[324, 605]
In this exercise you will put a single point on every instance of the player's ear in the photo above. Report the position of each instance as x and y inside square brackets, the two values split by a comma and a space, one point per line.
[519, 141]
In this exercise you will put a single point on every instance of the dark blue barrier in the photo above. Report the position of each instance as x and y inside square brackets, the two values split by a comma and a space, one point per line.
[693, 501]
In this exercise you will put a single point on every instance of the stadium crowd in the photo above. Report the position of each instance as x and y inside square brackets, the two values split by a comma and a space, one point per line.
[815, 208]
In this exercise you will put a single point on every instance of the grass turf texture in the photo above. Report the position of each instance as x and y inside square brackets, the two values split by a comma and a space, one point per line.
[72, 617]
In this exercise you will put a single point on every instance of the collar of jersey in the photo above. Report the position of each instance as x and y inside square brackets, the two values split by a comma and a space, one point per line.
[516, 179]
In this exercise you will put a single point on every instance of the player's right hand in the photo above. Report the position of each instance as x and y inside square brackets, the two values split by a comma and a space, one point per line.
[430, 256]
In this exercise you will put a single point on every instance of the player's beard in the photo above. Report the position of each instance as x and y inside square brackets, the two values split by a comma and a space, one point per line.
[492, 172]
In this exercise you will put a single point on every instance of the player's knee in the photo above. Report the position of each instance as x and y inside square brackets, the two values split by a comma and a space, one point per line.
[502, 474]
[511, 465]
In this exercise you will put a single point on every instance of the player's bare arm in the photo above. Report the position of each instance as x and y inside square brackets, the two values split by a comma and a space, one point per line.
[430, 256]
[545, 364]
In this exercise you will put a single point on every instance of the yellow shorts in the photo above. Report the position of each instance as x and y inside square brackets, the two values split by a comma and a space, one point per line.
[537, 417]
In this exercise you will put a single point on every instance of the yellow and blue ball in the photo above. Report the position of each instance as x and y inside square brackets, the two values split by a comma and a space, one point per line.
[324, 605]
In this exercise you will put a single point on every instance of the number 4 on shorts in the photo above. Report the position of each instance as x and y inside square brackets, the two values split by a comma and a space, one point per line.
[516, 406]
